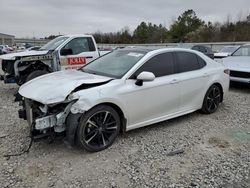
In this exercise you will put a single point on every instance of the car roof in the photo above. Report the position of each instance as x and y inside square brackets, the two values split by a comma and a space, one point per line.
[157, 50]
[76, 35]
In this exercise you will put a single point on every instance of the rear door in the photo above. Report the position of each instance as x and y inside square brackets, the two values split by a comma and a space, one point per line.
[84, 51]
[193, 79]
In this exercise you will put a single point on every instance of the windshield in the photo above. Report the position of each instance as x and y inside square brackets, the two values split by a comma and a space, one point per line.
[242, 51]
[52, 45]
[228, 49]
[115, 64]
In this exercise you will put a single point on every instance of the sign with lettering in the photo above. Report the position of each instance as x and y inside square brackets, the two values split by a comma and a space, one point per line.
[76, 60]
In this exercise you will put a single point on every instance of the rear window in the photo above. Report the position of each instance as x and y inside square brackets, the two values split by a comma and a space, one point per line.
[201, 61]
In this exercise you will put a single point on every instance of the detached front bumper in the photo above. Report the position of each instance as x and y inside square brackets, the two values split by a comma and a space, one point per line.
[41, 120]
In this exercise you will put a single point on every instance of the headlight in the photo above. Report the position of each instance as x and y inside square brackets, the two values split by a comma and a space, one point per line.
[75, 110]
[72, 97]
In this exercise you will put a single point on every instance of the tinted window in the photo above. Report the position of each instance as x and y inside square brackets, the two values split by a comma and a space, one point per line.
[80, 44]
[201, 61]
[160, 65]
[187, 61]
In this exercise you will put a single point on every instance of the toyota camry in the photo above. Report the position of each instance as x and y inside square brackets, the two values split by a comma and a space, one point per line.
[123, 90]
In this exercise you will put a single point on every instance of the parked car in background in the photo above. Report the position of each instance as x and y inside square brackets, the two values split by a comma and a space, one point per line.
[123, 90]
[27, 45]
[204, 49]
[1, 50]
[64, 52]
[239, 64]
[4, 49]
[225, 51]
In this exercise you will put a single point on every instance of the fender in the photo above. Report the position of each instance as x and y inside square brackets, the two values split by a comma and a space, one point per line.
[83, 105]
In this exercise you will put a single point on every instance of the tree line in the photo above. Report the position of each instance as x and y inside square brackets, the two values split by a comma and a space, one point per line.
[188, 27]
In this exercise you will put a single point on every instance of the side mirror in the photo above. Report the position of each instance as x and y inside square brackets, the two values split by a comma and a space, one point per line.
[144, 77]
[66, 51]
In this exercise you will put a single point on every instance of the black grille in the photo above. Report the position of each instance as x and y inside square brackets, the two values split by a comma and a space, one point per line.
[8, 66]
[240, 74]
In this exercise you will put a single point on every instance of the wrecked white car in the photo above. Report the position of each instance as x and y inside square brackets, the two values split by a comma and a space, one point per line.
[121, 91]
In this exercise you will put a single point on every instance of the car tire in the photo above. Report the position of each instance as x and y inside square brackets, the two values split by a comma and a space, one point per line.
[98, 128]
[35, 74]
[211, 100]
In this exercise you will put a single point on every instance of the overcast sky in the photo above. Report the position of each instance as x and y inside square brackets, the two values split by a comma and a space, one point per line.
[40, 18]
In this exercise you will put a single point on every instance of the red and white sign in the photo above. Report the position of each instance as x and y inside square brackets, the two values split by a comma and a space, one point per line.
[76, 60]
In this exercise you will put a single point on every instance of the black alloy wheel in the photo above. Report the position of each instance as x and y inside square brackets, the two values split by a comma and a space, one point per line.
[98, 128]
[212, 100]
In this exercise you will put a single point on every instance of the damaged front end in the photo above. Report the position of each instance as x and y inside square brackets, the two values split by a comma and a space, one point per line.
[45, 120]
[50, 102]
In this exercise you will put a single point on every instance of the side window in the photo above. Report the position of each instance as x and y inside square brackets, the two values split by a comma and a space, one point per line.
[201, 61]
[81, 44]
[187, 61]
[160, 65]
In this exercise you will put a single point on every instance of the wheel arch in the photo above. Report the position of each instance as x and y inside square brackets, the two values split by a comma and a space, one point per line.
[221, 89]
[26, 66]
[38, 65]
[72, 122]
[119, 111]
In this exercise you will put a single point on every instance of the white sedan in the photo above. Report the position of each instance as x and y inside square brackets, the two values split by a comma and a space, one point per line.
[121, 91]
[239, 64]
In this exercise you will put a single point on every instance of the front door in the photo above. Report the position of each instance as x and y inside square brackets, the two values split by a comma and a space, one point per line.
[154, 100]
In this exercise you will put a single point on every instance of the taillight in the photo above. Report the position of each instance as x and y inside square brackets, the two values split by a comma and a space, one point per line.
[227, 71]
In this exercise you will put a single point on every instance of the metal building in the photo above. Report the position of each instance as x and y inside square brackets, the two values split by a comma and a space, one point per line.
[7, 39]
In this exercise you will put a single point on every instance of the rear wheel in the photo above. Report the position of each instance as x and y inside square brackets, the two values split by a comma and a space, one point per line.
[35, 74]
[211, 100]
[98, 128]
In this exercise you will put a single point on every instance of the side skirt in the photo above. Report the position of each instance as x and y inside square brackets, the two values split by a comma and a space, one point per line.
[159, 119]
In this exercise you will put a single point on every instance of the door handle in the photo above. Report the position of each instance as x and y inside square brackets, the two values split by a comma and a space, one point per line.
[205, 75]
[89, 57]
[174, 81]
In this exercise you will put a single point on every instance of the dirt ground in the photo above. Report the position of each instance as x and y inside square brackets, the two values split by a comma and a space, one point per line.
[215, 151]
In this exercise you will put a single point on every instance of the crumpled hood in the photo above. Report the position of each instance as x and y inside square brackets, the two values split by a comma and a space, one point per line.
[240, 63]
[11, 56]
[55, 87]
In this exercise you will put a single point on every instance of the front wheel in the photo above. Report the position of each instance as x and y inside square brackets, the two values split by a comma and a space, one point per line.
[211, 100]
[98, 128]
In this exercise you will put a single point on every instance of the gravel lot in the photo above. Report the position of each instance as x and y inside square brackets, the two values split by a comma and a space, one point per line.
[216, 152]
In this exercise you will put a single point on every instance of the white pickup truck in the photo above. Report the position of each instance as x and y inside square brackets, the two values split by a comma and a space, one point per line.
[64, 52]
